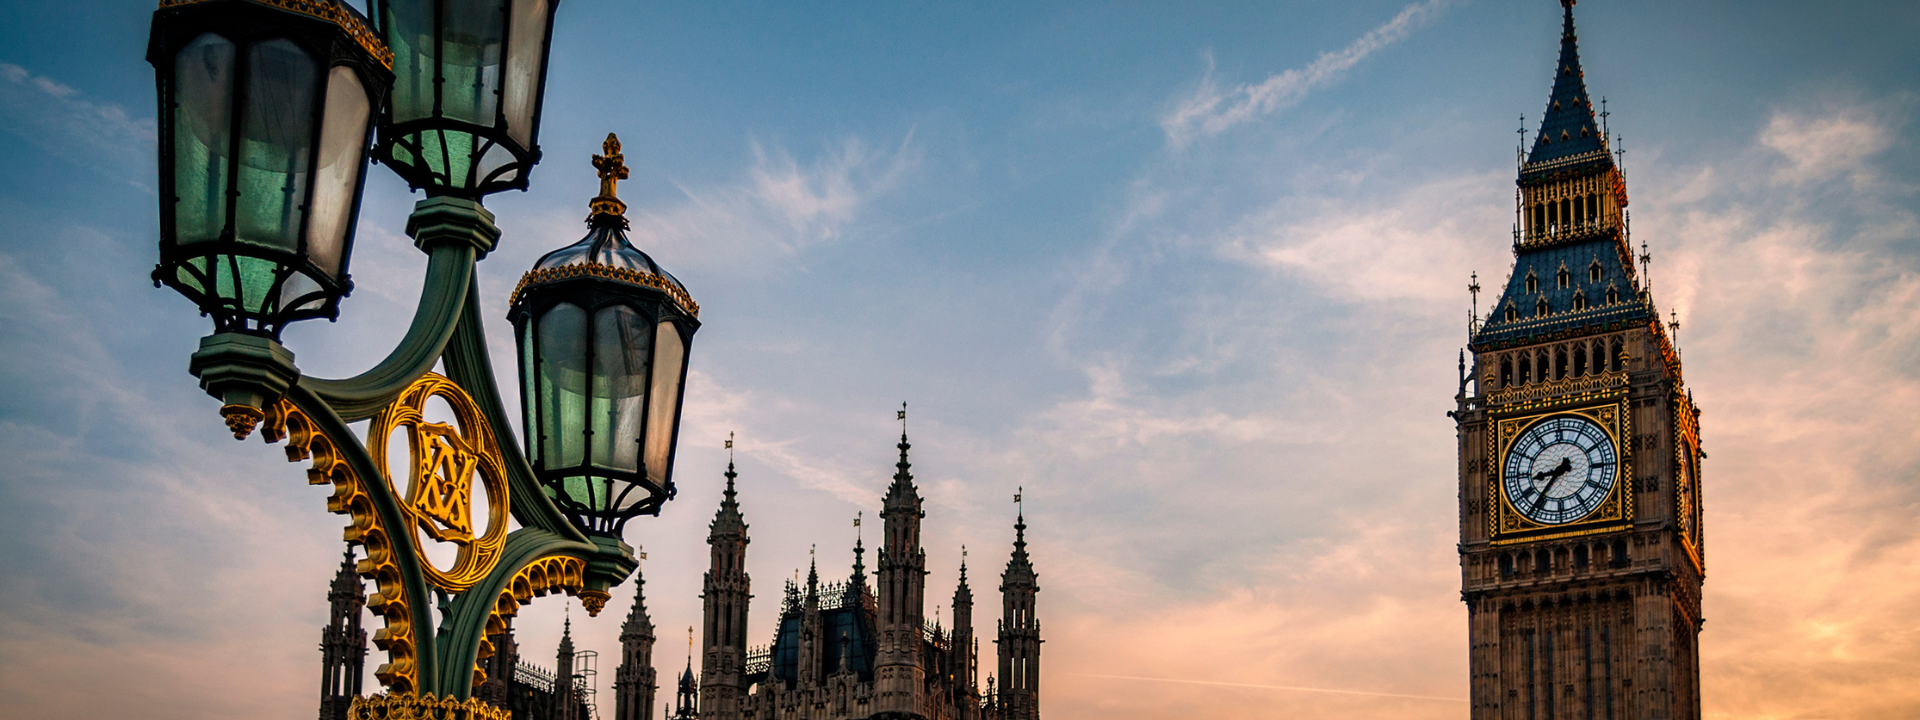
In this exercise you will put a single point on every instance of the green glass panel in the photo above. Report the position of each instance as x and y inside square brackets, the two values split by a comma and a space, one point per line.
[664, 406]
[527, 53]
[202, 136]
[621, 341]
[275, 145]
[562, 331]
[580, 490]
[408, 29]
[187, 278]
[256, 277]
[473, 34]
[343, 147]
[529, 397]
[448, 153]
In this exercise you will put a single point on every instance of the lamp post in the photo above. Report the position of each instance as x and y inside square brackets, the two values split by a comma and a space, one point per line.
[603, 333]
[267, 110]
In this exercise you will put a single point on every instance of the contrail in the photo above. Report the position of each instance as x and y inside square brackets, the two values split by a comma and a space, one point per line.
[1274, 687]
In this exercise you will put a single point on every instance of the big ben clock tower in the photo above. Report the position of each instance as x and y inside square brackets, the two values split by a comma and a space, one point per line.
[1581, 549]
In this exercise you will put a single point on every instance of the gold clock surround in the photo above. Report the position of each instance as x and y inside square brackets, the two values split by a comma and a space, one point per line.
[1508, 525]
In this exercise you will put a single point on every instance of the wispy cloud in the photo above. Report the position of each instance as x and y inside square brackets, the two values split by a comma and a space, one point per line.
[1212, 110]
[60, 120]
[783, 205]
[1821, 145]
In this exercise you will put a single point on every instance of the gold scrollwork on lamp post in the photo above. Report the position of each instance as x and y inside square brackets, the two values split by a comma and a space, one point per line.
[305, 440]
[423, 707]
[445, 462]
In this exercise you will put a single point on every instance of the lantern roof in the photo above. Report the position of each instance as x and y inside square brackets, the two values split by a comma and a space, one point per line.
[605, 252]
[348, 18]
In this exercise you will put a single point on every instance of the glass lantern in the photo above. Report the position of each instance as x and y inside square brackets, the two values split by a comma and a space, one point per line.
[265, 112]
[464, 117]
[603, 333]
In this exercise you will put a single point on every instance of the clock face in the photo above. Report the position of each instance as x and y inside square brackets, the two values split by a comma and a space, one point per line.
[1560, 470]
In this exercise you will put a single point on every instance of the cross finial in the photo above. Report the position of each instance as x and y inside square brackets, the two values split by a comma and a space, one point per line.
[612, 168]
[1473, 289]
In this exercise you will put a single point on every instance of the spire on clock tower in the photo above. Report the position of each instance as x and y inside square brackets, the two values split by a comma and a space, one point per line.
[1568, 127]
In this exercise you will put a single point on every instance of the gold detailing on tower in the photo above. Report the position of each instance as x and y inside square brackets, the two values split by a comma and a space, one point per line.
[389, 600]
[538, 578]
[1572, 389]
[423, 707]
[612, 168]
[326, 10]
[1507, 525]
[608, 272]
[444, 463]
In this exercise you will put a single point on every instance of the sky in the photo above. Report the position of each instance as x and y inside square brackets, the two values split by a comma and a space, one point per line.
[1191, 275]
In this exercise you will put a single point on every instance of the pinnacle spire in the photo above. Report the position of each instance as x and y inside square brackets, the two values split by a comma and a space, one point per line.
[1019, 566]
[1568, 127]
[902, 487]
[813, 574]
[859, 581]
[638, 620]
[727, 521]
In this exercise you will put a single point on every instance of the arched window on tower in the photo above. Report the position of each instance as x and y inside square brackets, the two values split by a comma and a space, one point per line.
[1512, 314]
[1614, 361]
[1580, 360]
[1563, 277]
[1613, 295]
[1533, 283]
[1506, 370]
[1540, 308]
[1560, 364]
[1593, 272]
[1526, 368]
[1506, 565]
[1580, 300]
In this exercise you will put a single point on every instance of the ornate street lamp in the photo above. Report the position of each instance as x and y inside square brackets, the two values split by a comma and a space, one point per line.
[603, 335]
[464, 118]
[265, 110]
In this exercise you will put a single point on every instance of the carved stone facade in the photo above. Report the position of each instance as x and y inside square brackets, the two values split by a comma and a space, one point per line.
[842, 651]
[1581, 538]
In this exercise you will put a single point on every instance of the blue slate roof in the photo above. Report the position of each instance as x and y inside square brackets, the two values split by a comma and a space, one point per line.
[1560, 316]
[1568, 128]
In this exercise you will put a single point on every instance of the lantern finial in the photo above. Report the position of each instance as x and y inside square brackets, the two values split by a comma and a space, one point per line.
[613, 168]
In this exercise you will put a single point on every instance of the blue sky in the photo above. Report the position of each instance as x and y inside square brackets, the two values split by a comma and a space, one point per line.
[1194, 276]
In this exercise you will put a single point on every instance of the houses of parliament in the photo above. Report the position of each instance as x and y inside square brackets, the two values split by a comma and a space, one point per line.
[858, 648]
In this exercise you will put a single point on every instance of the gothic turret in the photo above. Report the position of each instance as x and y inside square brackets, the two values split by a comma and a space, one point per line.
[566, 695]
[343, 644]
[965, 662]
[634, 682]
[723, 684]
[899, 673]
[687, 700]
[1019, 632]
